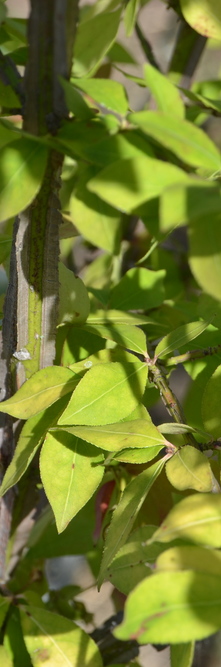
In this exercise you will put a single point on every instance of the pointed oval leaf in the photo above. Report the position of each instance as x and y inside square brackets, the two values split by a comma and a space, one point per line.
[31, 436]
[211, 404]
[70, 474]
[189, 469]
[205, 252]
[129, 183]
[196, 518]
[125, 335]
[74, 303]
[125, 514]
[44, 388]
[181, 336]
[171, 608]
[204, 16]
[187, 141]
[115, 437]
[190, 558]
[134, 561]
[98, 222]
[167, 96]
[22, 169]
[110, 94]
[122, 146]
[106, 393]
[88, 52]
[139, 288]
[56, 640]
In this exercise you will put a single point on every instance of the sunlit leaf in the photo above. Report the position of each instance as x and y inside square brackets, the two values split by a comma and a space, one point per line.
[172, 608]
[44, 388]
[129, 183]
[59, 642]
[70, 474]
[106, 393]
[211, 404]
[29, 441]
[204, 16]
[188, 142]
[88, 52]
[115, 437]
[189, 469]
[110, 94]
[196, 518]
[176, 339]
[190, 558]
[126, 335]
[167, 96]
[205, 252]
[74, 305]
[21, 172]
[139, 288]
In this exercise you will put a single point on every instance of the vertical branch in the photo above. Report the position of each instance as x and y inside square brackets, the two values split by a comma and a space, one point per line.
[31, 303]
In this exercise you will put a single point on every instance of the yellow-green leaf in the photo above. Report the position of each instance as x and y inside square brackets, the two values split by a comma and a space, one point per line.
[189, 469]
[44, 388]
[57, 641]
[106, 393]
[204, 16]
[70, 474]
[23, 165]
[172, 607]
[196, 518]
[116, 437]
[74, 303]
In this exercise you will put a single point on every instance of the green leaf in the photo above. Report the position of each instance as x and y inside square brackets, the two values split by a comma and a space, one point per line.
[31, 436]
[74, 305]
[66, 463]
[123, 145]
[139, 288]
[106, 92]
[174, 608]
[189, 143]
[88, 53]
[211, 404]
[190, 558]
[167, 96]
[75, 102]
[126, 512]
[130, 15]
[134, 561]
[129, 183]
[112, 317]
[8, 133]
[196, 518]
[204, 16]
[181, 655]
[14, 641]
[172, 427]
[181, 336]
[118, 54]
[4, 606]
[106, 393]
[189, 469]
[205, 252]
[119, 436]
[58, 640]
[5, 658]
[22, 169]
[98, 222]
[5, 247]
[8, 97]
[126, 335]
[41, 390]
[183, 203]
